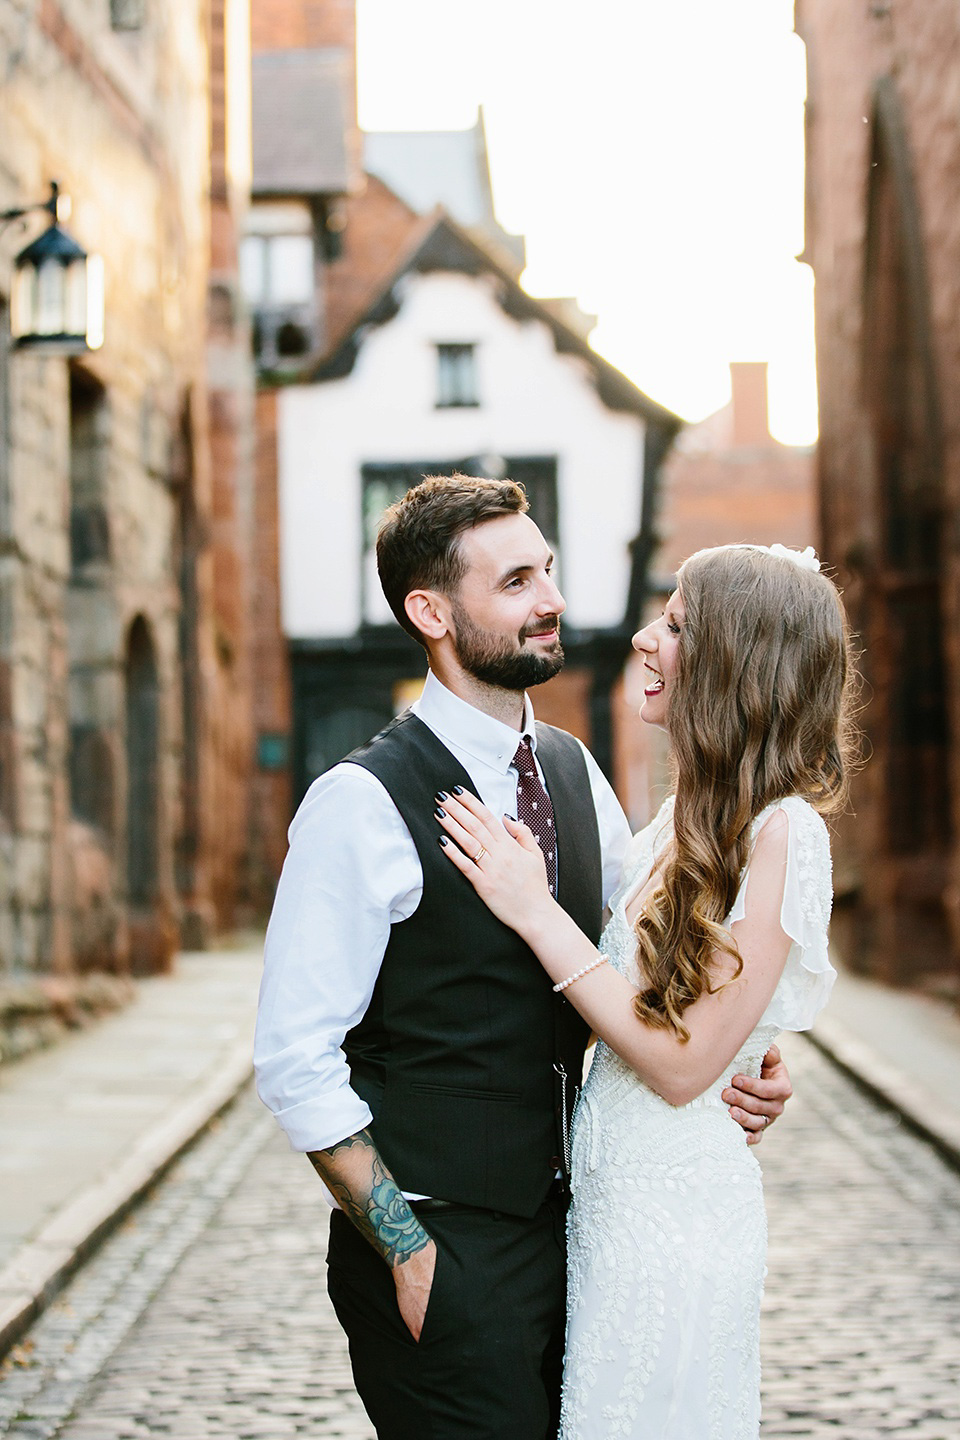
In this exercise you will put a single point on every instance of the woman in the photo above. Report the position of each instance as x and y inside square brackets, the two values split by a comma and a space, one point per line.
[717, 941]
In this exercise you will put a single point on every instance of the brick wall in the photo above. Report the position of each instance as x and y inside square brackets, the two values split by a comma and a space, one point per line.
[904, 909]
[379, 228]
[271, 794]
[93, 644]
[304, 24]
[227, 742]
[726, 479]
[372, 225]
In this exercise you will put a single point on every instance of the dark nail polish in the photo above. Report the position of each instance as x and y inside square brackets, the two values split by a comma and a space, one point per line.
[440, 814]
[457, 789]
[441, 795]
[443, 840]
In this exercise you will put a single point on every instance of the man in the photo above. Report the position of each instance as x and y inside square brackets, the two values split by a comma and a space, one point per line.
[410, 1043]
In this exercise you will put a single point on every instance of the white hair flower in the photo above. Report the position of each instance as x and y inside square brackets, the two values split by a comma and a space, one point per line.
[806, 559]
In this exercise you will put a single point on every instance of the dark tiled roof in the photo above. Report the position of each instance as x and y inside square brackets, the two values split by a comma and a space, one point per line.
[301, 112]
[437, 242]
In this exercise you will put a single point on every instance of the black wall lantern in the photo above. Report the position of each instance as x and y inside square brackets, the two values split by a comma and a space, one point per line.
[57, 299]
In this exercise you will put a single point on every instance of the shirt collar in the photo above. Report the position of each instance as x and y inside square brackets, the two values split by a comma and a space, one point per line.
[480, 735]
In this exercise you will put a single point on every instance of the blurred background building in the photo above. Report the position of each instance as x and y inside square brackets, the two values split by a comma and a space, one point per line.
[301, 321]
[307, 160]
[421, 355]
[883, 236]
[124, 485]
[450, 168]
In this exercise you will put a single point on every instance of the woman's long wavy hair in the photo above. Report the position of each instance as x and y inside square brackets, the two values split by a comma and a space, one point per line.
[760, 708]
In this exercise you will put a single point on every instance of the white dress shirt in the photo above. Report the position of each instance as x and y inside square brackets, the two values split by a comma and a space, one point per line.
[351, 872]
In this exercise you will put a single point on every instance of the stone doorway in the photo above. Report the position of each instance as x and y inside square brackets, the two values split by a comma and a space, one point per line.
[151, 938]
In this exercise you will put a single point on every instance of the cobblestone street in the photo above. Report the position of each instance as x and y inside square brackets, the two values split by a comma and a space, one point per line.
[206, 1314]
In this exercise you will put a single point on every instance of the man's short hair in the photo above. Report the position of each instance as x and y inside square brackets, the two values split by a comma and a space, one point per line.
[418, 543]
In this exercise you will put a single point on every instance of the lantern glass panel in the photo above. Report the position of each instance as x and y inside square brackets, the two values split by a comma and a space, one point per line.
[22, 302]
[50, 298]
[95, 301]
[75, 298]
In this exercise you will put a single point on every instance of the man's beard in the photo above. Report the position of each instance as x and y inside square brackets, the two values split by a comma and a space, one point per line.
[493, 660]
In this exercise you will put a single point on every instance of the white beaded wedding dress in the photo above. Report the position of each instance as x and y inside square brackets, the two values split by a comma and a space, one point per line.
[667, 1231]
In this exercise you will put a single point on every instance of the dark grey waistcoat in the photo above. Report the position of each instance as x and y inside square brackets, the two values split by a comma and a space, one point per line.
[461, 1052]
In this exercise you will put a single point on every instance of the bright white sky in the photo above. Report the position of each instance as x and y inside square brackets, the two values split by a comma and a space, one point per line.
[651, 151]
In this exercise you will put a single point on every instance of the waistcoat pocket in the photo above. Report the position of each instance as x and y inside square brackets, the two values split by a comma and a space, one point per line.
[464, 1092]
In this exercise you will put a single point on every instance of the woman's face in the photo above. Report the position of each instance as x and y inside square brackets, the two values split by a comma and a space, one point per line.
[657, 643]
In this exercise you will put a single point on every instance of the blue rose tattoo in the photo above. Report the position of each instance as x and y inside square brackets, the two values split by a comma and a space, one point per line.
[375, 1204]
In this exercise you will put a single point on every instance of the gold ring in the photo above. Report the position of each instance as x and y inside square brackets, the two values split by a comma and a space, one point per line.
[480, 854]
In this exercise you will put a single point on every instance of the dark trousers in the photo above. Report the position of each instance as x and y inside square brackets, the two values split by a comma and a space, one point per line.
[489, 1359]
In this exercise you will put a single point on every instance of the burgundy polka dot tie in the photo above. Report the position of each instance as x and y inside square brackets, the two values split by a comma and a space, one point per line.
[535, 810]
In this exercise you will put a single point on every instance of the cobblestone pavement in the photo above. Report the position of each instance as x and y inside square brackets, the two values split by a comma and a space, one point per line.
[861, 1322]
[206, 1316]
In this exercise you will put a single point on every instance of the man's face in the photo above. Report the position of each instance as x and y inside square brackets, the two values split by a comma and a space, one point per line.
[506, 615]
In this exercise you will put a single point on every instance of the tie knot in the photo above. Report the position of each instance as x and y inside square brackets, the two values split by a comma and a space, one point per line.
[523, 760]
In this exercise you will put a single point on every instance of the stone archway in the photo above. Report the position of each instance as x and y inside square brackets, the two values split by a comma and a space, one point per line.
[94, 638]
[150, 929]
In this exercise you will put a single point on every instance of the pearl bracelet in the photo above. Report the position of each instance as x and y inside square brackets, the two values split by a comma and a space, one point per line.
[577, 974]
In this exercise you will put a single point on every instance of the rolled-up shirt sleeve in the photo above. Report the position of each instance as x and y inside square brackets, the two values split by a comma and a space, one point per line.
[351, 871]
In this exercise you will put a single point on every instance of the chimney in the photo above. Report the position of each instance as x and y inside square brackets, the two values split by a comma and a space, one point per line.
[303, 25]
[748, 379]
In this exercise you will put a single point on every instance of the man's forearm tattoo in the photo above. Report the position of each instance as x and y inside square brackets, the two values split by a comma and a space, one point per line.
[369, 1196]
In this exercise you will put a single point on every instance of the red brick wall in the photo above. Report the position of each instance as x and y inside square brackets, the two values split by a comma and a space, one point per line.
[727, 479]
[379, 229]
[721, 498]
[226, 735]
[748, 381]
[295, 25]
[271, 798]
[849, 47]
[303, 24]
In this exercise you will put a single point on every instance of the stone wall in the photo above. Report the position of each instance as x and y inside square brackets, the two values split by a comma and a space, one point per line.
[103, 457]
